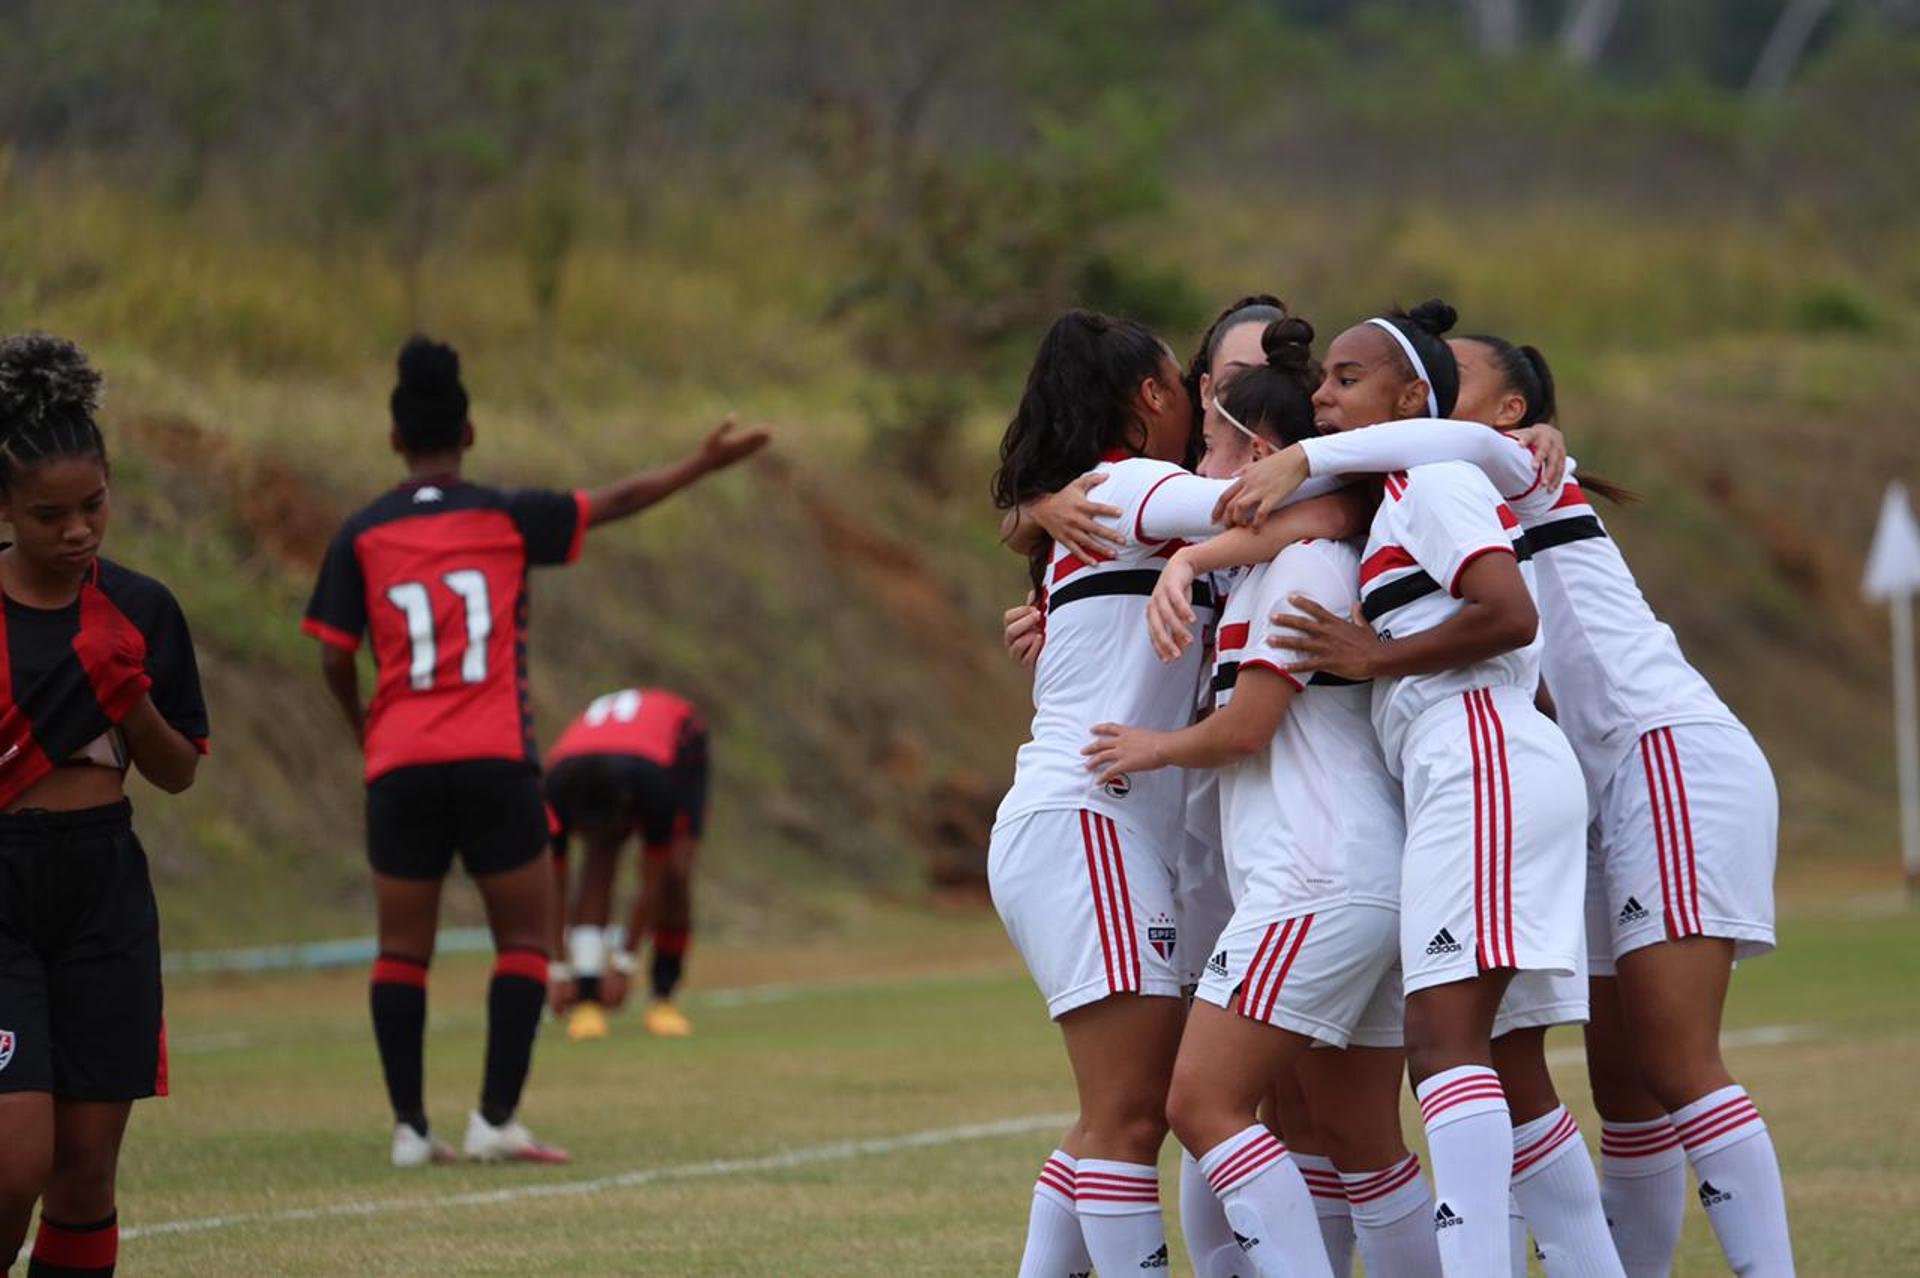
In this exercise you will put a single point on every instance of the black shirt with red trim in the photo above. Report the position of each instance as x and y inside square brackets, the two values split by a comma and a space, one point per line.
[69, 675]
[435, 573]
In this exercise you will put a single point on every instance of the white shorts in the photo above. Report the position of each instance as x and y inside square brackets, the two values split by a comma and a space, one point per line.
[1089, 905]
[1203, 906]
[1534, 999]
[1332, 975]
[1684, 844]
[1496, 843]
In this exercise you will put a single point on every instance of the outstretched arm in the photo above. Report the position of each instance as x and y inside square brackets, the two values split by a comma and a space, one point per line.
[719, 450]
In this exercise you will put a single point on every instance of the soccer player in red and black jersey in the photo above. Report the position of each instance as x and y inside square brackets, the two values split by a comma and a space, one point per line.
[634, 762]
[97, 674]
[434, 572]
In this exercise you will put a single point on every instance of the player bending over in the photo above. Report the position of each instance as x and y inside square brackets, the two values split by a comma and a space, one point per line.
[99, 676]
[435, 572]
[635, 762]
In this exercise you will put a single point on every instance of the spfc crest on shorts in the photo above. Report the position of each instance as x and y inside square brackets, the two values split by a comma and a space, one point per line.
[1160, 935]
[6, 1048]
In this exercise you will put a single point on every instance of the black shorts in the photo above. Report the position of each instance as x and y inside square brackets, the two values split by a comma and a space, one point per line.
[490, 811]
[80, 1003]
[666, 800]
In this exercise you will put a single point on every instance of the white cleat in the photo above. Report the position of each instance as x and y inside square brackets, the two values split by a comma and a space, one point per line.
[510, 1143]
[411, 1149]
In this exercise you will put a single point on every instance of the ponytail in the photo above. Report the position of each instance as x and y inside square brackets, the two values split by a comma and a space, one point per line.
[1528, 376]
[1078, 405]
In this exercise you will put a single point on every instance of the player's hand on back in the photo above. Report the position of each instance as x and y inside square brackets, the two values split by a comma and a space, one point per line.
[727, 444]
[1549, 449]
[1072, 518]
[1026, 633]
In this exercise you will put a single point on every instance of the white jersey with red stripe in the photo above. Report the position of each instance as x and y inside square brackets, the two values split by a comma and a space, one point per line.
[1314, 820]
[1615, 670]
[1098, 665]
[1433, 522]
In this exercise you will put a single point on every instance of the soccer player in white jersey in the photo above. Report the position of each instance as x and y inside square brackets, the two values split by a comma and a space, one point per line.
[1080, 872]
[1312, 835]
[1681, 861]
[1495, 804]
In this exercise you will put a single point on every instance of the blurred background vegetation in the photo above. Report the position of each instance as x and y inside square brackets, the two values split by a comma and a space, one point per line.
[854, 219]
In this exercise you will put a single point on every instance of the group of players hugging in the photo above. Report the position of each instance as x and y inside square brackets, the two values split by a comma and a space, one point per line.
[98, 675]
[1357, 761]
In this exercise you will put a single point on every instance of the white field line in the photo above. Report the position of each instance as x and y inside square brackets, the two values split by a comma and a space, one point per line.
[786, 1160]
[839, 1151]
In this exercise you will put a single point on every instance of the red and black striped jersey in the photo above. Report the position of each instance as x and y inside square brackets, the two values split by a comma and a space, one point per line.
[436, 573]
[68, 675]
[643, 723]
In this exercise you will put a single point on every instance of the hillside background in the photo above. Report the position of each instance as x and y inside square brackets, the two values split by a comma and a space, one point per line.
[853, 220]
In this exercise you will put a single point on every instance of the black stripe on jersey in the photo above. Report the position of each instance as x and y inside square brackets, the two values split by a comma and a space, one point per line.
[1397, 594]
[1561, 531]
[1132, 581]
[1328, 679]
[1225, 676]
[1418, 585]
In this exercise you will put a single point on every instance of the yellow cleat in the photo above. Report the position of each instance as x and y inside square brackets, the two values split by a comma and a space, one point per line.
[664, 1020]
[586, 1021]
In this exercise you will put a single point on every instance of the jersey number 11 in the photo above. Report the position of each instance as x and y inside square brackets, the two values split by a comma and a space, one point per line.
[416, 605]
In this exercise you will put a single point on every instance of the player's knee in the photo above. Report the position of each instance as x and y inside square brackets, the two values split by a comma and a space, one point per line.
[24, 1172]
[81, 1188]
[1362, 1137]
[1197, 1112]
[1136, 1125]
[1677, 1078]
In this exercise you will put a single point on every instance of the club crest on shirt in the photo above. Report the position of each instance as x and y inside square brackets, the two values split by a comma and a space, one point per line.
[6, 1048]
[1161, 935]
[427, 493]
[1119, 788]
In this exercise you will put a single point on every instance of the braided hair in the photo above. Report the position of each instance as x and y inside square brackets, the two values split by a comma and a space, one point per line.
[49, 394]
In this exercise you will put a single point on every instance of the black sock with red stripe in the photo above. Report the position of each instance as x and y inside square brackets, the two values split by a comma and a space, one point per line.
[70, 1251]
[399, 1001]
[669, 961]
[515, 998]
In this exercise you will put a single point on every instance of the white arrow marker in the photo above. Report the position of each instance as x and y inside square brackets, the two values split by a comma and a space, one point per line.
[1893, 575]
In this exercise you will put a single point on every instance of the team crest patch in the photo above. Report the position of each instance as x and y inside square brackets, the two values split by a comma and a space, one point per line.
[1161, 935]
[1120, 787]
[6, 1048]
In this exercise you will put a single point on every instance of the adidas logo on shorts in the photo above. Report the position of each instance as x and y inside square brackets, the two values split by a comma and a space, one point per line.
[1158, 1260]
[1218, 964]
[1447, 1217]
[1711, 1197]
[1443, 943]
[1633, 911]
[1246, 1243]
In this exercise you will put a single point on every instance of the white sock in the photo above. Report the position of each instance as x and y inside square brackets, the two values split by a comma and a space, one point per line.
[1517, 1237]
[1267, 1204]
[1733, 1157]
[1331, 1207]
[1393, 1221]
[1558, 1193]
[1470, 1136]
[1643, 1185]
[586, 949]
[1203, 1221]
[1119, 1208]
[1055, 1248]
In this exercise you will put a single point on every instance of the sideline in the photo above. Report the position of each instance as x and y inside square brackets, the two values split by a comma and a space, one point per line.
[839, 1151]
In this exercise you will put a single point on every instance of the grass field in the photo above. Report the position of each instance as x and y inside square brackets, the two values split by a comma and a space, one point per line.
[871, 1107]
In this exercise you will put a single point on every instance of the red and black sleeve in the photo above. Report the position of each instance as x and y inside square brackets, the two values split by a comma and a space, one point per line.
[337, 613]
[552, 524]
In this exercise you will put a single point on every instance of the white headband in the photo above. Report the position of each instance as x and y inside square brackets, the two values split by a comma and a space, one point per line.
[1220, 406]
[1413, 357]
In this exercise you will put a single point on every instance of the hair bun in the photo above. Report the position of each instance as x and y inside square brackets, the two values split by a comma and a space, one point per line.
[1434, 316]
[1288, 344]
[429, 368]
[43, 377]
